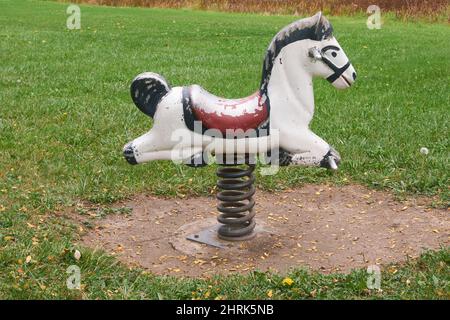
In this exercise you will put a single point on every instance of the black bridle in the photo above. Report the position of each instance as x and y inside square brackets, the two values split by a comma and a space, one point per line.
[337, 71]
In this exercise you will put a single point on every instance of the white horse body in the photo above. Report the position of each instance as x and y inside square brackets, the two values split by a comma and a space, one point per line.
[170, 139]
[284, 105]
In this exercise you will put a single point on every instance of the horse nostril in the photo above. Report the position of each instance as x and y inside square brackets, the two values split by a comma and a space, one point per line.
[354, 75]
[128, 153]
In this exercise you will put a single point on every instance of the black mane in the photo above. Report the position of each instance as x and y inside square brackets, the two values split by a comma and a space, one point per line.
[315, 28]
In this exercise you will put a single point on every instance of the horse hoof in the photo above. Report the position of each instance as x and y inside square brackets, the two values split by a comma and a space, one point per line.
[331, 160]
[128, 153]
[197, 161]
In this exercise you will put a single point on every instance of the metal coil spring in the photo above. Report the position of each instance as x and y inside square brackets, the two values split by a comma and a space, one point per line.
[236, 206]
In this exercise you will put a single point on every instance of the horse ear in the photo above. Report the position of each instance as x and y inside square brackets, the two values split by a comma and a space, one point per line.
[318, 16]
[324, 30]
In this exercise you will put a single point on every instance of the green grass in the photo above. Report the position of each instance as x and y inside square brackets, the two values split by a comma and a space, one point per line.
[65, 113]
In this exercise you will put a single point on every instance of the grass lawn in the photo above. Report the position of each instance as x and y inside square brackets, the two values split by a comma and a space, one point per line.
[65, 113]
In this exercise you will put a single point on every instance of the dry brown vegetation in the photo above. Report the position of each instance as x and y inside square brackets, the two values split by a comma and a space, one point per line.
[430, 9]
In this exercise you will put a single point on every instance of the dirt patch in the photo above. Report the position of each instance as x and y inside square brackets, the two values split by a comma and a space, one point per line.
[331, 229]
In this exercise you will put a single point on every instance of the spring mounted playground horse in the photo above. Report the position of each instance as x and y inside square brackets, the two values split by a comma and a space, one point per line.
[284, 102]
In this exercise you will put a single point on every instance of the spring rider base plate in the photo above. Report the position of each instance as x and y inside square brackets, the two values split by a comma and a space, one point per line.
[192, 237]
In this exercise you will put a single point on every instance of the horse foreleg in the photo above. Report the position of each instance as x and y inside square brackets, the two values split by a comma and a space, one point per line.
[307, 149]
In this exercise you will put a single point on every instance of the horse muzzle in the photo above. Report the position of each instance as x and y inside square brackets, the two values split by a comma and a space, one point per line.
[346, 79]
[128, 153]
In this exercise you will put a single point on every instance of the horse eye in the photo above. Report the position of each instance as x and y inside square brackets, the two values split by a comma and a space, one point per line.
[334, 54]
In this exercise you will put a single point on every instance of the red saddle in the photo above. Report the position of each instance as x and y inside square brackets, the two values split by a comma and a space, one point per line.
[222, 114]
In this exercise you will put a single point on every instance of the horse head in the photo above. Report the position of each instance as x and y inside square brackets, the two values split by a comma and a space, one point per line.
[308, 45]
[333, 64]
[299, 52]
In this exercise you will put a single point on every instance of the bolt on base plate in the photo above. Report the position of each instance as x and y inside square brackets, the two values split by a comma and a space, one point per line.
[207, 236]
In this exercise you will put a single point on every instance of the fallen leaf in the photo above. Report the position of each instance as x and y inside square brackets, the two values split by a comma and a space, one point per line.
[287, 281]
[30, 225]
[77, 255]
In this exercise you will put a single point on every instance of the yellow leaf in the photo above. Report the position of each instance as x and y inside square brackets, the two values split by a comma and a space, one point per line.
[287, 282]
[393, 270]
[28, 259]
[30, 225]
[199, 261]
[270, 293]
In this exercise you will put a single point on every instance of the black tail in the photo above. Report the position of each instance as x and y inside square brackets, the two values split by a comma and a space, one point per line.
[147, 89]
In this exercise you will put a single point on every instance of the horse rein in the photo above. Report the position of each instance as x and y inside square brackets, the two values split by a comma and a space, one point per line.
[337, 71]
